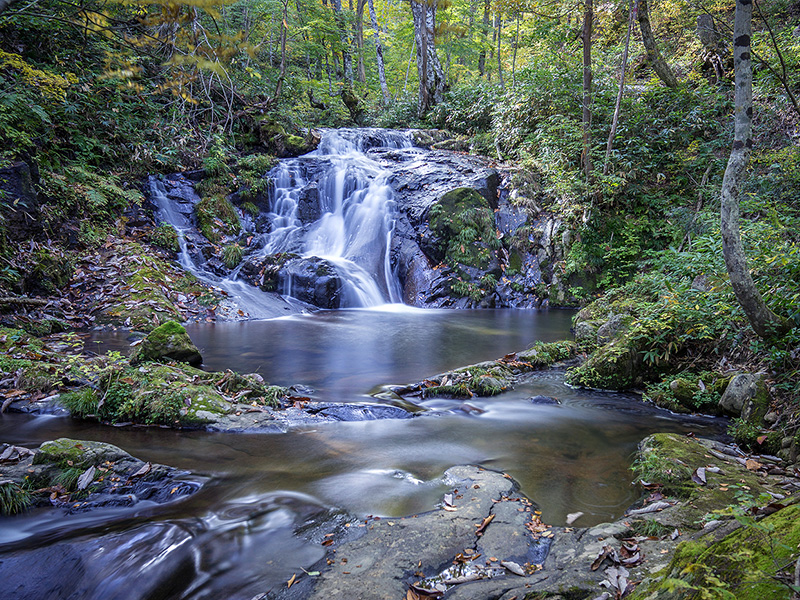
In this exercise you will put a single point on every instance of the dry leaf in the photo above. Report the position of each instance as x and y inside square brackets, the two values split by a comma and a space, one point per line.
[290, 583]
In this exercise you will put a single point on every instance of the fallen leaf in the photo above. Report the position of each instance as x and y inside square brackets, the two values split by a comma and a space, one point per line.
[513, 567]
[482, 527]
[290, 583]
[86, 478]
[699, 476]
[753, 465]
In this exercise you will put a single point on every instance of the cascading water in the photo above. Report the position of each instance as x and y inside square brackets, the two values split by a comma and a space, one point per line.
[332, 209]
[353, 209]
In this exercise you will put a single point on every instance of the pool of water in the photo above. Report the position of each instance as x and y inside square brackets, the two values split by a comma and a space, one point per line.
[567, 457]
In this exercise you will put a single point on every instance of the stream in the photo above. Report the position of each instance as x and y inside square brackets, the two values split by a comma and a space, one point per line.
[245, 532]
[237, 536]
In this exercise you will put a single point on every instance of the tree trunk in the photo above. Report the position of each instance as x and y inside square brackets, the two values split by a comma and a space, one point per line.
[499, 23]
[4, 4]
[282, 73]
[764, 322]
[484, 34]
[621, 91]
[431, 75]
[586, 38]
[362, 73]
[379, 53]
[347, 60]
[657, 61]
[514, 57]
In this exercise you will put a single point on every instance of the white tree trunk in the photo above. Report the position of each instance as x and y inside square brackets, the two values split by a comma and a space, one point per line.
[764, 322]
[379, 53]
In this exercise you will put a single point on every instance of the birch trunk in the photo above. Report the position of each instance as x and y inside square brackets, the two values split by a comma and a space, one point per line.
[379, 53]
[764, 322]
[621, 91]
[586, 37]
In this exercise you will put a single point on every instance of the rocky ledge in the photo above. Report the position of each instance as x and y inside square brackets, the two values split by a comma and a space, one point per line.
[710, 518]
[77, 476]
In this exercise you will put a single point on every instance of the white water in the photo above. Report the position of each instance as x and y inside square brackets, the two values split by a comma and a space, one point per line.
[353, 230]
[251, 300]
[356, 223]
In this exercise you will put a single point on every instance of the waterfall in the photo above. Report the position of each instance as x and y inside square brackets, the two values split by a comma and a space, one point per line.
[344, 216]
[332, 206]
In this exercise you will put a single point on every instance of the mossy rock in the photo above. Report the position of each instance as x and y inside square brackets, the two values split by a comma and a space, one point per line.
[167, 342]
[164, 236]
[615, 366]
[174, 395]
[450, 204]
[669, 460]
[65, 452]
[744, 565]
[217, 218]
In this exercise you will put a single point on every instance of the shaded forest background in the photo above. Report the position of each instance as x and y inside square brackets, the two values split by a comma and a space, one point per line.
[97, 94]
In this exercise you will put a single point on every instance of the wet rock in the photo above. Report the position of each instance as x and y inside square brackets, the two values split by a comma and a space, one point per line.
[354, 412]
[543, 400]
[167, 342]
[313, 280]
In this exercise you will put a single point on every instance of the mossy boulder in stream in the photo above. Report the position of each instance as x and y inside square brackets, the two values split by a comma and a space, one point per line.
[168, 341]
[178, 396]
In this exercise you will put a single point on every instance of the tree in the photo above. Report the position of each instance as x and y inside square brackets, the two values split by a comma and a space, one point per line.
[431, 74]
[764, 322]
[379, 53]
[586, 39]
[657, 61]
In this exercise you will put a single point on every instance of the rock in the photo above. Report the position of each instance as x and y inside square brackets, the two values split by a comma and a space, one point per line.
[543, 400]
[276, 140]
[613, 327]
[78, 454]
[683, 389]
[746, 395]
[313, 280]
[168, 341]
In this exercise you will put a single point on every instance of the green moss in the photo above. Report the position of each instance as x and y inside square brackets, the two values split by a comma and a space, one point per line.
[688, 392]
[544, 354]
[755, 438]
[165, 236]
[167, 395]
[614, 366]
[745, 564]
[216, 218]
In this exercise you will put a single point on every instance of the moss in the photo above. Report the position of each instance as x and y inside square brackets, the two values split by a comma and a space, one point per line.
[544, 354]
[216, 218]
[754, 438]
[745, 564]
[688, 392]
[167, 395]
[669, 460]
[164, 236]
[614, 366]
[67, 453]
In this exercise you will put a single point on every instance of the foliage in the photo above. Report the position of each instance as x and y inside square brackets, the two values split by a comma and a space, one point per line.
[13, 498]
[165, 237]
[216, 218]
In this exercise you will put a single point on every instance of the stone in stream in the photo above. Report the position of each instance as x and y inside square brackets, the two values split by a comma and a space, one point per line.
[168, 341]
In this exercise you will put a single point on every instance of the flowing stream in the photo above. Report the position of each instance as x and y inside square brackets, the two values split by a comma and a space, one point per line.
[238, 536]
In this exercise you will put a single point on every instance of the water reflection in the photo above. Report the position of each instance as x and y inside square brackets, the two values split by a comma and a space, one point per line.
[568, 457]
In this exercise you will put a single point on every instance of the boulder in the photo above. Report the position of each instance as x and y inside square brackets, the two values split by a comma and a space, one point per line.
[747, 396]
[167, 342]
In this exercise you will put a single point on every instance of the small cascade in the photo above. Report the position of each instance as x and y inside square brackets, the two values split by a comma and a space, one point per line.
[326, 234]
[335, 204]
